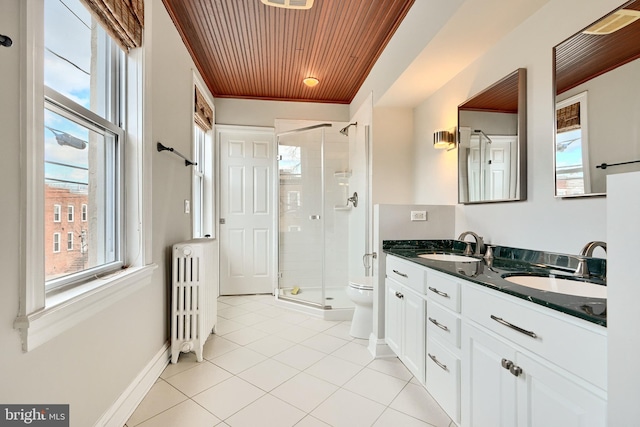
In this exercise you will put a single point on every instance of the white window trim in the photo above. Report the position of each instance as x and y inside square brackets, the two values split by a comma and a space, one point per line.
[69, 241]
[71, 213]
[84, 209]
[41, 317]
[57, 209]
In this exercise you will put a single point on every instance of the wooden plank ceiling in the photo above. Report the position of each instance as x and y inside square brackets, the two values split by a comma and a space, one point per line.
[501, 97]
[585, 56]
[245, 49]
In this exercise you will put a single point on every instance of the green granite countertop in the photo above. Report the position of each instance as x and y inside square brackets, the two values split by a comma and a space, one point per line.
[507, 261]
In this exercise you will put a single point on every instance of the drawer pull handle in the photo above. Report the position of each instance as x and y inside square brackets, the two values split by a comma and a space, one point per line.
[438, 324]
[442, 294]
[515, 370]
[517, 328]
[507, 364]
[400, 274]
[399, 295]
[437, 362]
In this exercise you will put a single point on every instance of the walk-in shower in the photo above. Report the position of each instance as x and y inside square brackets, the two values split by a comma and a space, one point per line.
[313, 220]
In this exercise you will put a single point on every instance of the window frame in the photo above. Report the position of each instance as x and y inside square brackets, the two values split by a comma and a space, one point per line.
[67, 108]
[84, 208]
[56, 243]
[57, 213]
[198, 196]
[69, 241]
[43, 316]
[207, 168]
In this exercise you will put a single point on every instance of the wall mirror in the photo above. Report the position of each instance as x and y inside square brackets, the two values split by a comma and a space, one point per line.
[492, 143]
[597, 97]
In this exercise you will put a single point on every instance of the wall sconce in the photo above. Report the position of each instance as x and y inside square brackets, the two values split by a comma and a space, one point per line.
[444, 139]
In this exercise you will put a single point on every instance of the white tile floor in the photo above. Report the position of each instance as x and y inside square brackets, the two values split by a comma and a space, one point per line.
[271, 367]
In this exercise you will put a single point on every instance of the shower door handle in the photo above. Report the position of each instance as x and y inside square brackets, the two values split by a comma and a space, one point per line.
[314, 216]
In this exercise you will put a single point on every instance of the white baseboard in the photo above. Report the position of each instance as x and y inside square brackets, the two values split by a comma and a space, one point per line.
[121, 410]
[379, 348]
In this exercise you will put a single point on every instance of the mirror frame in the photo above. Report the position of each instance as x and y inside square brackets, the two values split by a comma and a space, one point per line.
[521, 74]
[583, 114]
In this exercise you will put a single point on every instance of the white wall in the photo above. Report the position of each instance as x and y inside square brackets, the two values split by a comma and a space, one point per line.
[623, 293]
[392, 155]
[562, 225]
[90, 365]
[249, 112]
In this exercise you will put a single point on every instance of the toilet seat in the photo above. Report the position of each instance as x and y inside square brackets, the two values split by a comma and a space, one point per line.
[361, 283]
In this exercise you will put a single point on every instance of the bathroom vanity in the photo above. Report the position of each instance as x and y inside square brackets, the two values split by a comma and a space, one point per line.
[492, 352]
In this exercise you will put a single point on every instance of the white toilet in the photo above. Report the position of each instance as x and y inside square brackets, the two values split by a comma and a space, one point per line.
[360, 291]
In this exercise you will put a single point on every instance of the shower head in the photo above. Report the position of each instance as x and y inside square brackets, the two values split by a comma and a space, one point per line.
[345, 130]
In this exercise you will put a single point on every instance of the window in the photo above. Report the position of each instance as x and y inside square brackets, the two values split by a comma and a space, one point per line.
[79, 139]
[56, 242]
[202, 193]
[69, 241]
[56, 213]
[198, 181]
[83, 140]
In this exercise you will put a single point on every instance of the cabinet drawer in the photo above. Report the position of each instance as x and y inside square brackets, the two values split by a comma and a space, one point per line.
[573, 344]
[443, 378]
[443, 324]
[444, 290]
[406, 273]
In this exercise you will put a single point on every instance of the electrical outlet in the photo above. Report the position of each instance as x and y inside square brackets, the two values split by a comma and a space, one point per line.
[187, 206]
[418, 215]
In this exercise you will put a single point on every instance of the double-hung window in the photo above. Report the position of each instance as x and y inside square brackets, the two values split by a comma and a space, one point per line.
[70, 241]
[83, 138]
[198, 181]
[202, 169]
[76, 84]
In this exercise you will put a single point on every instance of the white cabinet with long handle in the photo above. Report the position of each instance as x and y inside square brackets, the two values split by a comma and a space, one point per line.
[491, 359]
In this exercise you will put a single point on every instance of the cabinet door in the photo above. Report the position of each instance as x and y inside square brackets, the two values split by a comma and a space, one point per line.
[413, 336]
[393, 317]
[488, 389]
[546, 398]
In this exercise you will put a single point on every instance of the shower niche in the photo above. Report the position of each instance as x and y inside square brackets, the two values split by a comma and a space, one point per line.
[313, 220]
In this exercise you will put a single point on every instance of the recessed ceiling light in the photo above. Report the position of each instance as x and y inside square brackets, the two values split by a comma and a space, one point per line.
[290, 4]
[311, 81]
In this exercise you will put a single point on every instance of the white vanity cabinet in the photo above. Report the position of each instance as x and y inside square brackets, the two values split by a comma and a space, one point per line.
[525, 365]
[405, 314]
[491, 359]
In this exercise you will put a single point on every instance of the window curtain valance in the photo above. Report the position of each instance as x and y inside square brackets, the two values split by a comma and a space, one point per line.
[122, 19]
[203, 114]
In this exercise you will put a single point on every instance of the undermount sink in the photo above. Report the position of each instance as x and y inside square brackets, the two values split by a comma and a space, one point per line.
[560, 286]
[449, 257]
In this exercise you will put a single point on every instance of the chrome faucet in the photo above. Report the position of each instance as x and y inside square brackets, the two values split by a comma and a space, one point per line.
[590, 247]
[583, 268]
[479, 243]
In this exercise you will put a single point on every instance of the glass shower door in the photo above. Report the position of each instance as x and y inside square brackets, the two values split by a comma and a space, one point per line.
[301, 216]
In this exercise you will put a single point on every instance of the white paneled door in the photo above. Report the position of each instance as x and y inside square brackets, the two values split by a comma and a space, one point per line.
[246, 210]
